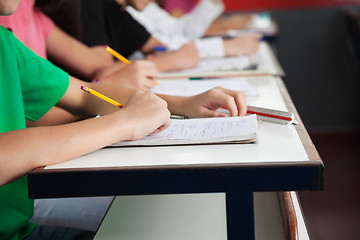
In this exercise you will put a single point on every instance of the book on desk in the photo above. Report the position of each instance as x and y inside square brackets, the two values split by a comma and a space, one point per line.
[201, 131]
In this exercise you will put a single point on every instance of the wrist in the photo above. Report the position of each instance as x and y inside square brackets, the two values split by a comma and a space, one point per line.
[177, 104]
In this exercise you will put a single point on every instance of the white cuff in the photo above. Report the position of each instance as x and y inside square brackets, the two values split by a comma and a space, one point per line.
[210, 47]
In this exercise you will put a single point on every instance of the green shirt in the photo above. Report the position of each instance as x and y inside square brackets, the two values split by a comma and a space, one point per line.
[29, 87]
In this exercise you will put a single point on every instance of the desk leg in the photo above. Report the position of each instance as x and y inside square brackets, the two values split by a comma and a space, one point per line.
[240, 215]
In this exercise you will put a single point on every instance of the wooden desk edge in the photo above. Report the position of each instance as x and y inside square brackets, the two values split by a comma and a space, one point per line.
[288, 216]
[303, 134]
[313, 163]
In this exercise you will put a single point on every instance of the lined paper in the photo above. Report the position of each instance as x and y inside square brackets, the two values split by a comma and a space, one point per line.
[201, 131]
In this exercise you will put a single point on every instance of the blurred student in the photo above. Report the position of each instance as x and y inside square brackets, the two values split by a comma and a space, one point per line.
[107, 23]
[174, 33]
[178, 8]
[40, 34]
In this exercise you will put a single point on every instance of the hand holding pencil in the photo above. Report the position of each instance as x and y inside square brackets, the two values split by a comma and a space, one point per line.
[145, 113]
[144, 72]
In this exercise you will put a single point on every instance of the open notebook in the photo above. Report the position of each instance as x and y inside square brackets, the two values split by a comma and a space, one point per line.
[201, 131]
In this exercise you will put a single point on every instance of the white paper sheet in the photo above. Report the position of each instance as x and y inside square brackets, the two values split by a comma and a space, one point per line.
[193, 87]
[201, 131]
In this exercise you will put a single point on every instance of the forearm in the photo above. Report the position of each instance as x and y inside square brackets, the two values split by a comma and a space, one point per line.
[74, 55]
[176, 104]
[166, 62]
[26, 149]
[150, 44]
[55, 116]
[81, 103]
[219, 26]
[172, 61]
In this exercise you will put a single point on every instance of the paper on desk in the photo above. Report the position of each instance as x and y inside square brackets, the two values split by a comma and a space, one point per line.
[223, 64]
[201, 131]
[193, 87]
[261, 23]
[264, 59]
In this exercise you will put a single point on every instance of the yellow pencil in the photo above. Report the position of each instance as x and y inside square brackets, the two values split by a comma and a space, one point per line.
[103, 97]
[120, 57]
[117, 55]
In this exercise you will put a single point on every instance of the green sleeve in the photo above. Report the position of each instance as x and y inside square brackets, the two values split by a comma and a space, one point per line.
[42, 83]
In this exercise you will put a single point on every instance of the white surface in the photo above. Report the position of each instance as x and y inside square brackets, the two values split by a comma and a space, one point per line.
[303, 233]
[200, 131]
[191, 87]
[264, 59]
[164, 217]
[221, 64]
[190, 217]
[276, 143]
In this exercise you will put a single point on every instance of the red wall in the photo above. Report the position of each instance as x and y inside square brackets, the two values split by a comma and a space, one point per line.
[232, 5]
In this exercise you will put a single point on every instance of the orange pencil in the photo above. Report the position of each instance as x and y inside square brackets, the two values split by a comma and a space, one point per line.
[117, 55]
[120, 57]
[103, 97]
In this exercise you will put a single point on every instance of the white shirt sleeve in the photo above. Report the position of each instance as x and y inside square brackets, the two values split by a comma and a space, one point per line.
[170, 31]
[196, 23]
[210, 47]
[192, 26]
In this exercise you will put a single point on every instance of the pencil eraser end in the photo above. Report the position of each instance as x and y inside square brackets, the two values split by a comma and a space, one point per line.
[83, 88]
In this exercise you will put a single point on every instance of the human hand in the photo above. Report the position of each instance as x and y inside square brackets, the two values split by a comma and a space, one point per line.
[206, 104]
[244, 44]
[238, 21]
[141, 75]
[187, 56]
[145, 113]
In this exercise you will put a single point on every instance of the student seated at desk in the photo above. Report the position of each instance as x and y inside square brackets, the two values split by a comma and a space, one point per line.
[174, 33]
[31, 85]
[219, 25]
[107, 23]
[39, 33]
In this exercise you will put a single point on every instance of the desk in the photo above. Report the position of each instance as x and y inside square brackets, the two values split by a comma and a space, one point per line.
[192, 217]
[283, 159]
[267, 64]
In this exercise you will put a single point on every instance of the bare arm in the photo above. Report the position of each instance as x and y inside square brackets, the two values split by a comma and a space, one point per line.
[185, 57]
[74, 55]
[243, 44]
[224, 24]
[206, 104]
[23, 150]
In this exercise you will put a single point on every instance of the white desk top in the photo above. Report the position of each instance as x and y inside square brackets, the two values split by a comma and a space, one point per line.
[264, 59]
[277, 143]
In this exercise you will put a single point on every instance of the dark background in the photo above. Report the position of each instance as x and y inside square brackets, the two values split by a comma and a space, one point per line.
[318, 49]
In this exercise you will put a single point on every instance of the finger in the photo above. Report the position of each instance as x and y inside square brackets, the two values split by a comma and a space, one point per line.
[239, 99]
[229, 102]
[166, 124]
[150, 83]
[151, 72]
